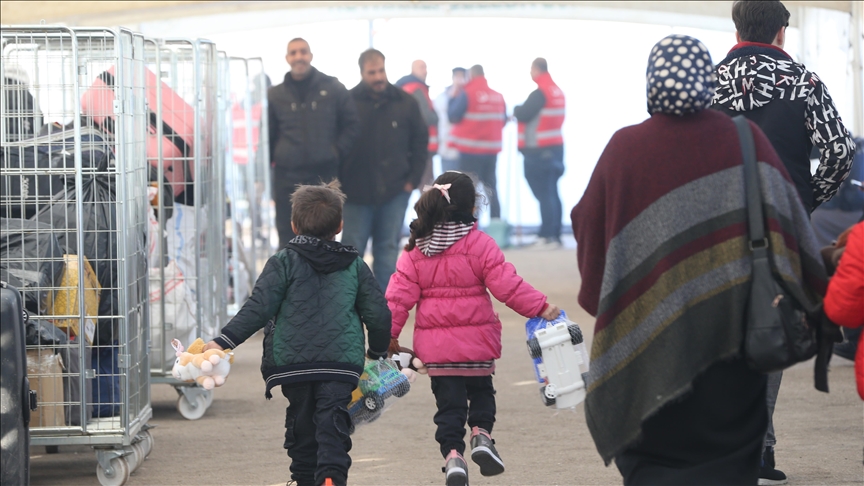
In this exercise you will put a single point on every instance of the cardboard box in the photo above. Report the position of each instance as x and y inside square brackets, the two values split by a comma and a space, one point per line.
[64, 300]
[45, 372]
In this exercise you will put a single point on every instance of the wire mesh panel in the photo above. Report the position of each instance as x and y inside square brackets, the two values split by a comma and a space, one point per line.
[187, 243]
[263, 222]
[73, 206]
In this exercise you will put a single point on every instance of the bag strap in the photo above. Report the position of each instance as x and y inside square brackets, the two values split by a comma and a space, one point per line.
[755, 220]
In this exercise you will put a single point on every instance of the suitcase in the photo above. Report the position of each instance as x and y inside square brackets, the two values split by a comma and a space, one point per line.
[23, 194]
[17, 401]
[178, 125]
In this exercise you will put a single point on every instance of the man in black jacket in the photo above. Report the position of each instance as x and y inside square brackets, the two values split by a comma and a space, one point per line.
[313, 125]
[759, 80]
[386, 164]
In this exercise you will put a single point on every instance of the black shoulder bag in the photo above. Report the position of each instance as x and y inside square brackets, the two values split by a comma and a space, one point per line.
[777, 333]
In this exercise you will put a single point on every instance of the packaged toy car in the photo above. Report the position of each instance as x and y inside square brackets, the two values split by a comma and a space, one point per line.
[380, 384]
[560, 360]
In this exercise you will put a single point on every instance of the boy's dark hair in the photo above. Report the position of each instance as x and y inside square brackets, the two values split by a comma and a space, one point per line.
[759, 20]
[367, 56]
[432, 207]
[317, 210]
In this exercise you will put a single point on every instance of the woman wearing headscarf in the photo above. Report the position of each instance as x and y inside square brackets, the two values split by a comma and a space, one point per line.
[663, 253]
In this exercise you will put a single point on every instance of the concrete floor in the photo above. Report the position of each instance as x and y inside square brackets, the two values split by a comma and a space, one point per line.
[239, 440]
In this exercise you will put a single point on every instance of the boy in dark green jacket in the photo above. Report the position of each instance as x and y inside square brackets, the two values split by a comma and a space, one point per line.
[312, 299]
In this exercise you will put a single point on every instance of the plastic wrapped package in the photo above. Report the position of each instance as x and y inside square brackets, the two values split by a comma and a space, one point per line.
[65, 299]
[45, 372]
[31, 259]
[381, 384]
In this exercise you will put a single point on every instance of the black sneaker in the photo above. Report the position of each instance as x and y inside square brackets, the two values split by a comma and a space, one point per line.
[768, 474]
[455, 469]
[484, 454]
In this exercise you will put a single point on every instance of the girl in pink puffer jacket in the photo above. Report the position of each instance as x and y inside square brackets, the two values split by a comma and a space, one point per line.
[446, 270]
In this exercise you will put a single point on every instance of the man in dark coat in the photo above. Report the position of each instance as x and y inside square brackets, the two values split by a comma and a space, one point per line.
[759, 80]
[313, 124]
[386, 164]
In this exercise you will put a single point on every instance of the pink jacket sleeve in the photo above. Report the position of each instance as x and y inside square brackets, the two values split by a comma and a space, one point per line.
[501, 279]
[403, 293]
[844, 301]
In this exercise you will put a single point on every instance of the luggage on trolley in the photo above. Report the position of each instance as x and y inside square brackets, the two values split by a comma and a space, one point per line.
[81, 256]
[175, 120]
[15, 394]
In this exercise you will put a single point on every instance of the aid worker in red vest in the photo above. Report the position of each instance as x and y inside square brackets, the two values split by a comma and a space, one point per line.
[478, 115]
[540, 119]
[415, 85]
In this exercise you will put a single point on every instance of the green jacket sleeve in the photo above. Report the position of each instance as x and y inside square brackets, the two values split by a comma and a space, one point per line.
[263, 304]
[373, 310]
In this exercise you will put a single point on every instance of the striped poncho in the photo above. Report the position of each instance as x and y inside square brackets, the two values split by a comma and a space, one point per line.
[665, 264]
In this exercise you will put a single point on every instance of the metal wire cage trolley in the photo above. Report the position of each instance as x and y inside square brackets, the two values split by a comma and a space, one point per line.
[187, 280]
[73, 228]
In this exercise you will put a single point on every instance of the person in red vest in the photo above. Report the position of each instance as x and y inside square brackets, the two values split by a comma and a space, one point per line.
[478, 114]
[415, 85]
[542, 145]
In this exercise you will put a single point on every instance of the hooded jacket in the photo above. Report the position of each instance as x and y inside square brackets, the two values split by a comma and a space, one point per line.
[455, 321]
[309, 136]
[793, 108]
[391, 149]
[314, 296]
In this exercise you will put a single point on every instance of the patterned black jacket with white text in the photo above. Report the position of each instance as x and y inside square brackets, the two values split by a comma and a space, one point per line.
[793, 108]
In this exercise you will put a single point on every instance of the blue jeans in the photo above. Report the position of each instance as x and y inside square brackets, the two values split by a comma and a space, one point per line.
[542, 171]
[383, 223]
[449, 164]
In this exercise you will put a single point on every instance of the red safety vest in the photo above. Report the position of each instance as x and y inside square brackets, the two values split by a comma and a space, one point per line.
[545, 130]
[410, 88]
[479, 132]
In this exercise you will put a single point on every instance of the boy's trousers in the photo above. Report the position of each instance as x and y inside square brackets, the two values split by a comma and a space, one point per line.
[452, 396]
[316, 431]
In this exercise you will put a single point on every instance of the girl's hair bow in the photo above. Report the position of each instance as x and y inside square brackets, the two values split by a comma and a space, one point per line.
[441, 187]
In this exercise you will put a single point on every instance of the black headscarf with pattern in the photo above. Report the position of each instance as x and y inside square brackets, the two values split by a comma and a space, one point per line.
[680, 76]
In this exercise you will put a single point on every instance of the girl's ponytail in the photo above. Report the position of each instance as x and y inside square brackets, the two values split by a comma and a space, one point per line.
[433, 207]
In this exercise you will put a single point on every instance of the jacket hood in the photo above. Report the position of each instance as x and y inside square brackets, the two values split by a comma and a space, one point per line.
[324, 256]
[409, 79]
[753, 75]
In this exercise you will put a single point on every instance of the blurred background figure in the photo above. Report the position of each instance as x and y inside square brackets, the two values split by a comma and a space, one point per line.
[385, 166]
[449, 155]
[542, 145]
[312, 125]
[415, 85]
[478, 115]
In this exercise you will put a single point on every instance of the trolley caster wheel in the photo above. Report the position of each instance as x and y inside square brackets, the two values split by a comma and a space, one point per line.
[147, 442]
[132, 459]
[208, 395]
[534, 348]
[117, 475]
[140, 453]
[192, 411]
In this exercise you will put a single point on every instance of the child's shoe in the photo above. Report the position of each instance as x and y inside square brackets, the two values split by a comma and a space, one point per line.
[484, 454]
[455, 469]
